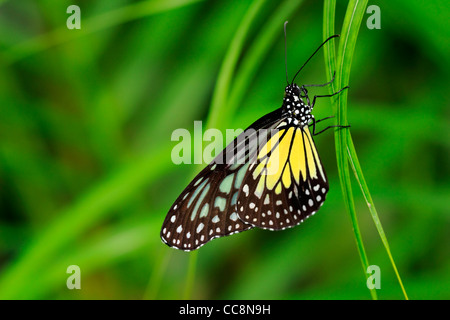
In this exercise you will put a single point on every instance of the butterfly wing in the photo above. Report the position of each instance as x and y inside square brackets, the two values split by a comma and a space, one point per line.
[286, 184]
[206, 209]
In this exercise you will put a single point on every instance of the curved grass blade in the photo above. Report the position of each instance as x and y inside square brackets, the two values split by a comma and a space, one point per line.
[329, 48]
[93, 206]
[90, 25]
[329, 9]
[257, 51]
[353, 158]
[225, 100]
[218, 109]
[352, 21]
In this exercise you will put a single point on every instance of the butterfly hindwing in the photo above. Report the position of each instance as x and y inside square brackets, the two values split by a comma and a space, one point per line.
[203, 211]
[286, 183]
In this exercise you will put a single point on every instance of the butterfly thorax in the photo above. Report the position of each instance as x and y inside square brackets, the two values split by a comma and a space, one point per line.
[298, 112]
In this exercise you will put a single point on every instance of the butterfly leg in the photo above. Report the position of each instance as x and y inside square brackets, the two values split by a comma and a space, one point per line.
[314, 126]
[317, 121]
[321, 85]
[316, 133]
[326, 96]
[305, 91]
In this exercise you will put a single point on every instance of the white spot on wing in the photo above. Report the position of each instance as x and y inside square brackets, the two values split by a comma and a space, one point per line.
[200, 227]
[245, 189]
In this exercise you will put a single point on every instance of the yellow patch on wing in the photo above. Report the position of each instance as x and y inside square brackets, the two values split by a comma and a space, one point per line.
[280, 164]
[278, 188]
[278, 159]
[287, 176]
[260, 187]
[259, 169]
[313, 147]
[271, 143]
[309, 155]
[297, 156]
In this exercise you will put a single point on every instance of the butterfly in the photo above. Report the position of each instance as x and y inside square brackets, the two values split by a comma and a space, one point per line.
[269, 177]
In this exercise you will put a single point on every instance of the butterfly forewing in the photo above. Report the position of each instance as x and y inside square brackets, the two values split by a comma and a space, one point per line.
[203, 211]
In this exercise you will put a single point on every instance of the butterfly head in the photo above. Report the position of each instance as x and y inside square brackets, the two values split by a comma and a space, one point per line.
[298, 111]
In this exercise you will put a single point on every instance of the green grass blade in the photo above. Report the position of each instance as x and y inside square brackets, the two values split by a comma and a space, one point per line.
[157, 274]
[90, 25]
[219, 107]
[258, 50]
[225, 100]
[218, 110]
[329, 49]
[89, 209]
[348, 40]
[352, 21]
[190, 277]
[353, 158]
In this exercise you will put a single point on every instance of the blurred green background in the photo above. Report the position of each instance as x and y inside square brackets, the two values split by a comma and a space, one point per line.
[86, 176]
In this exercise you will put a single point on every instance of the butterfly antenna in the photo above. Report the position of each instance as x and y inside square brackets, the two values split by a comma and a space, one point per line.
[336, 35]
[285, 52]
